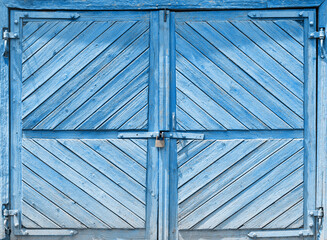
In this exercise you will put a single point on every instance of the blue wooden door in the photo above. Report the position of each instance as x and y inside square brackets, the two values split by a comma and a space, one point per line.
[246, 80]
[77, 81]
[232, 93]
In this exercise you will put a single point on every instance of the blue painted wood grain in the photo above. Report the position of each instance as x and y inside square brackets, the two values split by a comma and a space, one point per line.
[151, 4]
[321, 124]
[4, 119]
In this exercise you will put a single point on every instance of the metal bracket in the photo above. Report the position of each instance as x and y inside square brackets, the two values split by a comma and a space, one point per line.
[320, 35]
[280, 234]
[179, 135]
[6, 36]
[175, 135]
[278, 14]
[48, 232]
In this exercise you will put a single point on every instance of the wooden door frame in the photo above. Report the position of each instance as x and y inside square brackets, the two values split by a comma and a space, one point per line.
[6, 5]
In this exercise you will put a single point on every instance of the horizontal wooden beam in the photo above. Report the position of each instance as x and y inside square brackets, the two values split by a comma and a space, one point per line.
[154, 4]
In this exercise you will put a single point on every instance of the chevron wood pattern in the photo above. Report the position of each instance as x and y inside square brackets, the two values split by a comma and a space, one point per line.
[239, 75]
[85, 75]
[80, 183]
[240, 184]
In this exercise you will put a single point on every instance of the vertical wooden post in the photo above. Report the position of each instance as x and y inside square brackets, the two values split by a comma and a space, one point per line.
[322, 125]
[4, 119]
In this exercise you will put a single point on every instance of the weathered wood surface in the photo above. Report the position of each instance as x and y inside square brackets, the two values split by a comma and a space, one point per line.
[4, 119]
[152, 4]
[322, 126]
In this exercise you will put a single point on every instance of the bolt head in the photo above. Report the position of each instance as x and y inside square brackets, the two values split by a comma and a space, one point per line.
[311, 225]
[311, 213]
[16, 21]
[300, 233]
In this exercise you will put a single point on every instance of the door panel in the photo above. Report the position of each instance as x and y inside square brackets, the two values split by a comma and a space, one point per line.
[93, 181]
[232, 75]
[79, 79]
[231, 184]
[85, 75]
[248, 84]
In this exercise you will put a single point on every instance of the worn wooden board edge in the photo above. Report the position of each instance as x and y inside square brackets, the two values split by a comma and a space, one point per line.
[152, 4]
[322, 125]
[4, 119]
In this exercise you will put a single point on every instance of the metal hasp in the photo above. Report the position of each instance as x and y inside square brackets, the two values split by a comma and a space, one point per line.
[176, 135]
[321, 35]
[6, 35]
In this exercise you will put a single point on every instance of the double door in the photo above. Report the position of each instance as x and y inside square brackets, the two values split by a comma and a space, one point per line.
[163, 125]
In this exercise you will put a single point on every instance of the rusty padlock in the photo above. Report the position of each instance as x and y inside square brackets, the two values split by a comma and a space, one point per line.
[160, 141]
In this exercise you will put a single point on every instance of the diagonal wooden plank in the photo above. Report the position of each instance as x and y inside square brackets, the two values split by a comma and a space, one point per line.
[294, 28]
[121, 200]
[225, 81]
[63, 66]
[143, 144]
[37, 217]
[28, 223]
[138, 121]
[298, 223]
[287, 217]
[112, 97]
[119, 159]
[186, 122]
[131, 149]
[115, 88]
[273, 211]
[204, 159]
[97, 82]
[215, 92]
[260, 58]
[189, 150]
[274, 176]
[236, 220]
[206, 103]
[47, 52]
[227, 178]
[127, 111]
[217, 168]
[81, 182]
[61, 200]
[271, 47]
[78, 80]
[49, 209]
[29, 28]
[282, 38]
[119, 185]
[238, 186]
[196, 112]
[254, 80]
[41, 37]
[72, 191]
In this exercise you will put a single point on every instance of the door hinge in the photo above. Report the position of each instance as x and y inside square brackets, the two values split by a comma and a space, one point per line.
[7, 215]
[319, 215]
[6, 36]
[320, 35]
